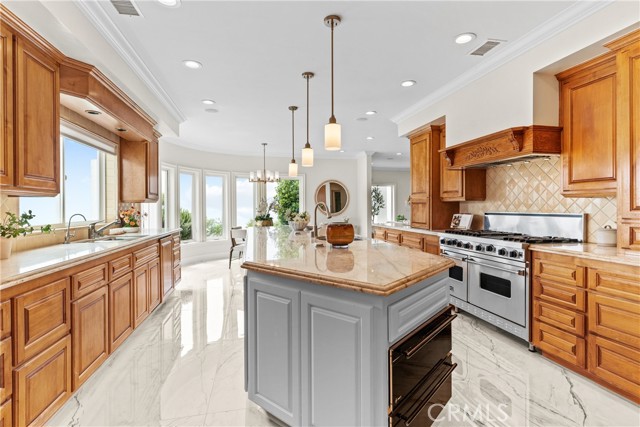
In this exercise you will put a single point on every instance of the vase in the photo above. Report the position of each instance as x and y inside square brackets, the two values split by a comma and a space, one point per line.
[5, 247]
[340, 234]
[298, 225]
[131, 229]
[264, 223]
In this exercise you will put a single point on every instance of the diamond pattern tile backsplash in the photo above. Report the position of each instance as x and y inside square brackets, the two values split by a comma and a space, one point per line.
[535, 187]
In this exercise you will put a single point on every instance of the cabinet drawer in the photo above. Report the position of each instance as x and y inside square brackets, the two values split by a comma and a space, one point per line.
[566, 296]
[176, 240]
[412, 241]
[379, 233]
[176, 257]
[145, 255]
[120, 266]
[559, 317]
[409, 313]
[393, 236]
[177, 275]
[42, 317]
[559, 269]
[624, 282]
[616, 364]
[6, 412]
[558, 343]
[5, 369]
[43, 384]
[89, 280]
[615, 318]
[5, 319]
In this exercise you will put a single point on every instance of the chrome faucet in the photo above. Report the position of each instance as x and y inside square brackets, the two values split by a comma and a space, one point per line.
[68, 235]
[97, 232]
[315, 217]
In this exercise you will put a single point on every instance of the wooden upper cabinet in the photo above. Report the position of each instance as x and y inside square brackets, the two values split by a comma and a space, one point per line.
[428, 210]
[588, 117]
[460, 185]
[628, 142]
[139, 170]
[30, 111]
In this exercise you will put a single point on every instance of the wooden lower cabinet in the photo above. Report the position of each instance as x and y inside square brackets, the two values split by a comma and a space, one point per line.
[155, 284]
[43, 384]
[140, 295]
[560, 344]
[432, 245]
[6, 412]
[6, 385]
[393, 236]
[5, 319]
[166, 261]
[120, 311]
[379, 233]
[90, 334]
[412, 240]
[615, 363]
[424, 242]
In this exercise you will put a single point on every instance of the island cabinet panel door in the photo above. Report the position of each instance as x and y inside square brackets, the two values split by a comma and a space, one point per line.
[336, 362]
[274, 349]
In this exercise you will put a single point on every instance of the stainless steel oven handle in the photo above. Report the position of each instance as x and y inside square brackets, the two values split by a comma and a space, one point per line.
[448, 255]
[426, 400]
[412, 351]
[518, 272]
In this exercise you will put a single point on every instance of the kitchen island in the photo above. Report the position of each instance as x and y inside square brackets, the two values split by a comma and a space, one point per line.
[319, 322]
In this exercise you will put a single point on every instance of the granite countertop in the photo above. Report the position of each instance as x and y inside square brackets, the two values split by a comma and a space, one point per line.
[590, 251]
[369, 266]
[408, 228]
[31, 264]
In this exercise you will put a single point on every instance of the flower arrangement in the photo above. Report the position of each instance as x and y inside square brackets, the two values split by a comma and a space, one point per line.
[130, 217]
[263, 217]
[297, 220]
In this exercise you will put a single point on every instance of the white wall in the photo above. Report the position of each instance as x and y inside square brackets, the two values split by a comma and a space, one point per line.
[402, 181]
[345, 171]
[505, 97]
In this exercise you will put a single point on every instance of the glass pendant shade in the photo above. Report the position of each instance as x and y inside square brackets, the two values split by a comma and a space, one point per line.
[307, 157]
[332, 136]
[293, 169]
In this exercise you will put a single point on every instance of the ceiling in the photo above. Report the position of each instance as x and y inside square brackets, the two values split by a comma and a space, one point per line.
[253, 55]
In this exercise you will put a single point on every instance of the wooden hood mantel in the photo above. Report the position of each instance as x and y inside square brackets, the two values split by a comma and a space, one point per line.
[506, 146]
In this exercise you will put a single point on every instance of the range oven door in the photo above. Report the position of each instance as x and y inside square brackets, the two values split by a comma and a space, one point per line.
[498, 288]
[457, 274]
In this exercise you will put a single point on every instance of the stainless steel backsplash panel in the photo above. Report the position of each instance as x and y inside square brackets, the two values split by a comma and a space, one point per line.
[538, 224]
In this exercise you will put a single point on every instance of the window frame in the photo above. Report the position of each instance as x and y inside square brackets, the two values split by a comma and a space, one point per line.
[225, 208]
[197, 232]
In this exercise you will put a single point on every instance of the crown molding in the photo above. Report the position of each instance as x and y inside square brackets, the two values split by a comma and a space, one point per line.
[107, 29]
[510, 51]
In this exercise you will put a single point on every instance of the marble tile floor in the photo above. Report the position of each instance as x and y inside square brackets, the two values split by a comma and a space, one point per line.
[184, 367]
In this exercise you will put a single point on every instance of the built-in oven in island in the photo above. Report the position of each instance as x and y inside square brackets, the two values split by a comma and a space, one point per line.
[420, 369]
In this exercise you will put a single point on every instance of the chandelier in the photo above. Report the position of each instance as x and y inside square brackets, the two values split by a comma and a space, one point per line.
[263, 175]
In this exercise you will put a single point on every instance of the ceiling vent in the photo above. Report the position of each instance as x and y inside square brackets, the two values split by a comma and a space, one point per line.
[126, 7]
[486, 47]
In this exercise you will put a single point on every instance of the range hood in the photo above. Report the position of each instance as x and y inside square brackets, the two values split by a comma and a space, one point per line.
[507, 146]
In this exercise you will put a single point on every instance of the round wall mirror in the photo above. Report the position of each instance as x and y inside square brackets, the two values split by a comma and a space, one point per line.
[333, 194]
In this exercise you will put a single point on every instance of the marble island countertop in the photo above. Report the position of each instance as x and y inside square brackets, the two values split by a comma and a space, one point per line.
[369, 266]
[31, 264]
[590, 251]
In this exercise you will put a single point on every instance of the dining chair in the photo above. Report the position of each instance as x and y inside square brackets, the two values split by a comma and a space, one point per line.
[238, 241]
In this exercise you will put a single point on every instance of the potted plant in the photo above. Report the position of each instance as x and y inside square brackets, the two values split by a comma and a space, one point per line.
[298, 221]
[13, 226]
[377, 202]
[263, 217]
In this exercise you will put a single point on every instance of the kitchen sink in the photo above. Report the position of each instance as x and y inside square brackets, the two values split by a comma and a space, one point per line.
[110, 239]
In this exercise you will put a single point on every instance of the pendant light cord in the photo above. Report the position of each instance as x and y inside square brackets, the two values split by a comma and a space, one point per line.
[264, 160]
[333, 118]
[307, 77]
[293, 159]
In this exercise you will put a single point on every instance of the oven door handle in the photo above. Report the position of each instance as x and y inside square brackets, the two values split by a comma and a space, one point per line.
[518, 272]
[447, 255]
[411, 418]
[413, 350]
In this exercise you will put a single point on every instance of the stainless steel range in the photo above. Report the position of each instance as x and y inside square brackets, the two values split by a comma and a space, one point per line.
[491, 275]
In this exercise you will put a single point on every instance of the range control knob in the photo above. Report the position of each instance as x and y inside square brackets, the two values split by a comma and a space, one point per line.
[451, 242]
[443, 241]
[490, 248]
[502, 252]
[478, 247]
[459, 244]
[513, 254]
[467, 246]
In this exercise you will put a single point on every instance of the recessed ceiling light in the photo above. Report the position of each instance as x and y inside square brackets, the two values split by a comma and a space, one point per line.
[465, 38]
[362, 119]
[208, 101]
[342, 151]
[370, 138]
[190, 63]
[371, 113]
[210, 110]
[408, 83]
[93, 112]
[398, 154]
[170, 3]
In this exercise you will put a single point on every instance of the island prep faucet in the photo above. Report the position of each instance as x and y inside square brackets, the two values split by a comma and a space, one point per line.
[68, 235]
[315, 217]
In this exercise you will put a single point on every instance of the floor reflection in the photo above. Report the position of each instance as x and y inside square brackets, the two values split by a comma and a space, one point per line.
[184, 367]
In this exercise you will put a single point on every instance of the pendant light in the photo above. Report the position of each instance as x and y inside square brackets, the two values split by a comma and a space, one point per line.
[332, 130]
[307, 151]
[293, 166]
[264, 175]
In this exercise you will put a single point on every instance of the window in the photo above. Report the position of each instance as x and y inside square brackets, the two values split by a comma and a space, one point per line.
[214, 198]
[244, 201]
[164, 189]
[89, 186]
[187, 208]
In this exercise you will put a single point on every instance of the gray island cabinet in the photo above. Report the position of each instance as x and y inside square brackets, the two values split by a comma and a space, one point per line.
[319, 322]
